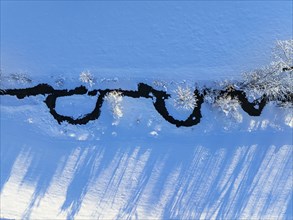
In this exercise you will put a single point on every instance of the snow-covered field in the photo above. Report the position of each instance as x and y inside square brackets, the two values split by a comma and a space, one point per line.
[131, 163]
[141, 166]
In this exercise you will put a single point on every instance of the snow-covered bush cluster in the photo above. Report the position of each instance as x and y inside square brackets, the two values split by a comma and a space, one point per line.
[276, 85]
[283, 55]
[19, 78]
[87, 77]
[114, 100]
[275, 81]
[185, 98]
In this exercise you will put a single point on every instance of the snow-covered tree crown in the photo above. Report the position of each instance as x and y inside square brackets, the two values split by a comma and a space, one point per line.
[185, 98]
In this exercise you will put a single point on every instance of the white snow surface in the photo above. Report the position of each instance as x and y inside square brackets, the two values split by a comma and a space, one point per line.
[138, 166]
[143, 167]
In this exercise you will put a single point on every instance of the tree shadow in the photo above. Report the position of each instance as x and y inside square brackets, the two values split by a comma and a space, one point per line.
[208, 176]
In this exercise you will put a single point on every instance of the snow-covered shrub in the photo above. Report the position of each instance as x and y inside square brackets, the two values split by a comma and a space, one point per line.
[114, 100]
[230, 107]
[20, 78]
[276, 80]
[60, 81]
[160, 84]
[185, 98]
[86, 77]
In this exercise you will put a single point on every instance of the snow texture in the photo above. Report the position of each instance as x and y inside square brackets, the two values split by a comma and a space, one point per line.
[229, 166]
